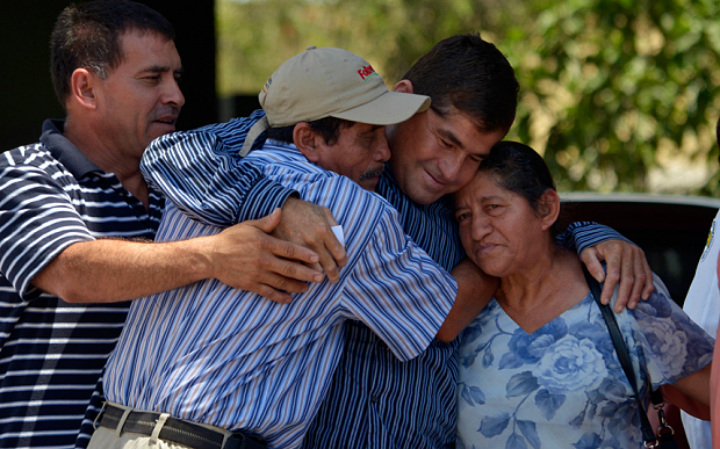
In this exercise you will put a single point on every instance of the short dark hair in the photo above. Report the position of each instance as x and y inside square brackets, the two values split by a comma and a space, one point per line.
[328, 127]
[87, 35]
[520, 169]
[472, 75]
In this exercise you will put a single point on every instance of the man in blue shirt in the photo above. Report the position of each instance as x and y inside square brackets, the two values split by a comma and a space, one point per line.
[216, 362]
[376, 401]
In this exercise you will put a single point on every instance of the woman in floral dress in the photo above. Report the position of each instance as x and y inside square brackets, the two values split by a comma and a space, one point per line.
[537, 366]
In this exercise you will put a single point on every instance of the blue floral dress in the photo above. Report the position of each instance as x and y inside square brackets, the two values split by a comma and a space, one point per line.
[562, 386]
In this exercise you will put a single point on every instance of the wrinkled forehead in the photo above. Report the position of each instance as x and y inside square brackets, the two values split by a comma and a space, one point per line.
[482, 184]
[147, 49]
[133, 36]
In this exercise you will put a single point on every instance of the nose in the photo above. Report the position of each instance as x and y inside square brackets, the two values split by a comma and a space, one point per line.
[480, 226]
[382, 150]
[173, 94]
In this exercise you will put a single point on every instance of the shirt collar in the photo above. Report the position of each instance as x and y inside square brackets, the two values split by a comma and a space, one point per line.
[64, 151]
[286, 151]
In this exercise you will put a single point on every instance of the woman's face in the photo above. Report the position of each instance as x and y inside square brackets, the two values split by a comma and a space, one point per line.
[499, 230]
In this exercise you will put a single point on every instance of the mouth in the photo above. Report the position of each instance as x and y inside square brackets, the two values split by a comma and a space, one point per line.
[435, 182]
[166, 116]
[163, 125]
[370, 179]
[485, 248]
[371, 174]
[167, 120]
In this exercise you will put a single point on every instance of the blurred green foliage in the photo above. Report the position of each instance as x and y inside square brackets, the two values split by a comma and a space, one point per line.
[618, 95]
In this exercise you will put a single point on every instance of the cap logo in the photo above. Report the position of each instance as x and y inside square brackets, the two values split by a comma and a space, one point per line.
[366, 72]
[267, 85]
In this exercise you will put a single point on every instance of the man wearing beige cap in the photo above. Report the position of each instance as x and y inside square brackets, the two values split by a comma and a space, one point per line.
[209, 366]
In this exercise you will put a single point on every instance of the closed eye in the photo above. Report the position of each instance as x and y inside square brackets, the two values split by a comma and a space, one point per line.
[462, 216]
[153, 78]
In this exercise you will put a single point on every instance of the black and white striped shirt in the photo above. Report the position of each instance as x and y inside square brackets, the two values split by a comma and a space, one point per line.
[51, 352]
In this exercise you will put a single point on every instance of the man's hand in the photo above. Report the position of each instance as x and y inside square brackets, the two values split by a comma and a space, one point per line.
[625, 263]
[245, 256]
[310, 225]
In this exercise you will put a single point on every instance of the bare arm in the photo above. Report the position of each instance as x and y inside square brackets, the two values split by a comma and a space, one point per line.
[626, 263]
[475, 289]
[691, 393]
[242, 256]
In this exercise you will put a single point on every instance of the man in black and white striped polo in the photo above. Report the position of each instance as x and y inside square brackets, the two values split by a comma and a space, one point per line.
[75, 209]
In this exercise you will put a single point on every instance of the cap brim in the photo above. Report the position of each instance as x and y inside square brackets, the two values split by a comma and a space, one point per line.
[387, 109]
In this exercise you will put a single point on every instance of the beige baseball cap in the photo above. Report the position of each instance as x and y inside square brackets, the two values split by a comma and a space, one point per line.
[330, 82]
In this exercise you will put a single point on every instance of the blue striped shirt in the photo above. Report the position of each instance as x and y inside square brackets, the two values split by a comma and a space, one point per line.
[374, 401]
[212, 354]
[396, 404]
[52, 353]
[197, 167]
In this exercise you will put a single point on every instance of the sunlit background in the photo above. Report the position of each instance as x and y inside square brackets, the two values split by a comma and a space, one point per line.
[619, 95]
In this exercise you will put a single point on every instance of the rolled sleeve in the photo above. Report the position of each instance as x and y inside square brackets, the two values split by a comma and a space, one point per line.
[581, 235]
[398, 291]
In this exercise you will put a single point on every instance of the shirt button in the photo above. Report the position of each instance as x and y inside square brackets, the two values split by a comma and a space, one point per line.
[375, 399]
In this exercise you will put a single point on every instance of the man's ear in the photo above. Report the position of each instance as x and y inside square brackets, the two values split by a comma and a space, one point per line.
[549, 208]
[82, 88]
[307, 141]
[404, 86]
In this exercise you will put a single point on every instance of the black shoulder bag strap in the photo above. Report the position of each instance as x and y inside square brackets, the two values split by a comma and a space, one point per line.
[622, 352]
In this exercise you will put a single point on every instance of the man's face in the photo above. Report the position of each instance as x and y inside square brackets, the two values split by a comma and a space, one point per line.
[433, 155]
[360, 154]
[140, 99]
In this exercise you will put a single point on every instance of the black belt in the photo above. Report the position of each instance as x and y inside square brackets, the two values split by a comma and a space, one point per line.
[178, 431]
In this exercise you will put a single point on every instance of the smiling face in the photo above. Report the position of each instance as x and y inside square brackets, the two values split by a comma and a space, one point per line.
[434, 155]
[359, 153]
[140, 99]
[500, 231]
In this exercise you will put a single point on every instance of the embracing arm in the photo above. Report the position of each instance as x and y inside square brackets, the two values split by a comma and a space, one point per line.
[475, 289]
[242, 256]
[626, 262]
[203, 174]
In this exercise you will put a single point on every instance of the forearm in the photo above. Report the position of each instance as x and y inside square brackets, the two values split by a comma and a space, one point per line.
[475, 289]
[691, 393]
[242, 256]
[109, 270]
